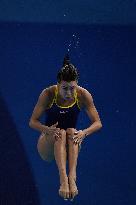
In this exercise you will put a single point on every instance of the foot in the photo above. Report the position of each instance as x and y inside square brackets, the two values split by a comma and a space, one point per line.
[73, 191]
[64, 189]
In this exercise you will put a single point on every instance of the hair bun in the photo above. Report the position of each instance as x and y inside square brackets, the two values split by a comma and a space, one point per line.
[66, 60]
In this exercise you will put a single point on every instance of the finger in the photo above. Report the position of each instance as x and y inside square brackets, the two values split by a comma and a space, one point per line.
[80, 141]
[75, 137]
[54, 125]
[58, 132]
[55, 129]
[76, 132]
[75, 142]
[57, 135]
[56, 138]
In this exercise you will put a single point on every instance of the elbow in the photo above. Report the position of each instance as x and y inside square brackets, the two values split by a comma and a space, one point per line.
[30, 123]
[99, 124]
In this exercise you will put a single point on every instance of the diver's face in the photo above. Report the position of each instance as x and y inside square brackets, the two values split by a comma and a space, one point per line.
[67, 89]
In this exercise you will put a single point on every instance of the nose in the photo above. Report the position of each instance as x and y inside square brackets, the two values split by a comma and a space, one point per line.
[68, 93]
[68, 96]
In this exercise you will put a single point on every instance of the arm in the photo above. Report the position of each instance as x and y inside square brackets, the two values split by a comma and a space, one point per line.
[39, 109]
[92, 113]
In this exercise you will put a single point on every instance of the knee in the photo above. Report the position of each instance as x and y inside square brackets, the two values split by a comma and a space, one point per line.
[63, 133]
[62, 138]
[70, 131]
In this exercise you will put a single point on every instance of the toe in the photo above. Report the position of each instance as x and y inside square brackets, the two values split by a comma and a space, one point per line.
[73, 194]
[70, 195]
[64, 191]
[61, 193]
[64, 195]
[67, 195]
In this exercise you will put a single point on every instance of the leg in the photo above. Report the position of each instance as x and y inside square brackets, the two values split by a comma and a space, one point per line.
[73, 151]
[45, 147]
[60, 157]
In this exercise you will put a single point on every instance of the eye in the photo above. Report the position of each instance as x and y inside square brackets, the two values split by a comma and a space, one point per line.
[65, 88]
[70, 88]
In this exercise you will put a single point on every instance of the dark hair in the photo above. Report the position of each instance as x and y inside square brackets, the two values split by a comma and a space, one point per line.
[68, 72]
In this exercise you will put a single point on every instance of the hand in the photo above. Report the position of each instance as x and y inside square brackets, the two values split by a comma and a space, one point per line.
[53, 131]
[78, 137]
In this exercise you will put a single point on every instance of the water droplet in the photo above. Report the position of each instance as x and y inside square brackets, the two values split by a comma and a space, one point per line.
[74, 35]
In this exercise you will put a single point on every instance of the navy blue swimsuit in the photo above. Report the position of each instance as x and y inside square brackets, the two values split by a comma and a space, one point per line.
[66, 116]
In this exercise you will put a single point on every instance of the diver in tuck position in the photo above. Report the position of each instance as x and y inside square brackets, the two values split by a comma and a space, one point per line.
[59, 138]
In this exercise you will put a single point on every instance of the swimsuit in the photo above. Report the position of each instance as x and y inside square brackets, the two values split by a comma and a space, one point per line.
[65, 115]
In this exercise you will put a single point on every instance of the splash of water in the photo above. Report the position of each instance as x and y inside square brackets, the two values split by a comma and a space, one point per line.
[74, 43]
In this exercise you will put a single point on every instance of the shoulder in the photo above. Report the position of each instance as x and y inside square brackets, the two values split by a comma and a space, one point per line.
[49, 90]
[47, 94]
[52, 90]
[85, 97]
[84, 92]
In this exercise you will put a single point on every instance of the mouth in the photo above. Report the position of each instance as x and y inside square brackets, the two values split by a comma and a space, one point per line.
[68, 98]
